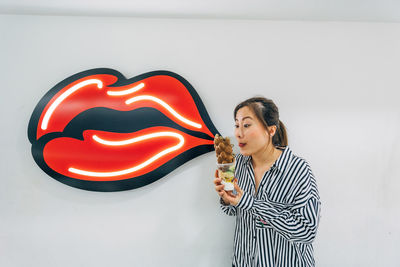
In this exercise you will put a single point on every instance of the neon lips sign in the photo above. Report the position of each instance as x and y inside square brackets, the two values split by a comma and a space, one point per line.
[99, 131]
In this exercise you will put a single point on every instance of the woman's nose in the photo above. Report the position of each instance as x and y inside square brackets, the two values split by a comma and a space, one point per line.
[239, 132]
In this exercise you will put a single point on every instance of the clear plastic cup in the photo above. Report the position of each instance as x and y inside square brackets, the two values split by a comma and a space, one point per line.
[226, 171]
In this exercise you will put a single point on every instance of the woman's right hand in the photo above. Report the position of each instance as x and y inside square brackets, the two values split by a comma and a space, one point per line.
[219, 187]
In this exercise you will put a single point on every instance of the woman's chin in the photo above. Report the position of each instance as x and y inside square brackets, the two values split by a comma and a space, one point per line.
[244, 152]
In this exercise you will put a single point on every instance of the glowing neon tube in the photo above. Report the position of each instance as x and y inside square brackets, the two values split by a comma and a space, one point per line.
[127, 91]
[127, 142]
[64, 95]
[165, 105]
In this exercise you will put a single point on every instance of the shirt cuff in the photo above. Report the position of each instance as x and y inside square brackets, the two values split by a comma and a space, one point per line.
[222, 202]
[246, 202]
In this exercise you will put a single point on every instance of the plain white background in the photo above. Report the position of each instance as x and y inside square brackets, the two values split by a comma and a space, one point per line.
[335, 83]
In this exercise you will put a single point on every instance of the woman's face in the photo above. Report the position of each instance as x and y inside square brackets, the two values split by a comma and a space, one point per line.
[250, 133]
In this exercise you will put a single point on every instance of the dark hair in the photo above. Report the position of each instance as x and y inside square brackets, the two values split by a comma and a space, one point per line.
[268, 114]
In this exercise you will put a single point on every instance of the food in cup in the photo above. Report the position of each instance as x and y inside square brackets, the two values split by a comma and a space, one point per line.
[225, 161]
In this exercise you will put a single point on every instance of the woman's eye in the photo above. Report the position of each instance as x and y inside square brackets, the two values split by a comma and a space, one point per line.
[245, 125]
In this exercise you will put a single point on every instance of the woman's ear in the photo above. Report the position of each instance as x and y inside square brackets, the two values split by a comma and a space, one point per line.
[272, 130]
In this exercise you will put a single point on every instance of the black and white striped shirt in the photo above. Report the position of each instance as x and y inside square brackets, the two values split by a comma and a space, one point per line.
[275, 227]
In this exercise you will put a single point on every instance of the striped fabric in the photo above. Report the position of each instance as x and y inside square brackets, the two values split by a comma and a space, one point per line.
[275, 227]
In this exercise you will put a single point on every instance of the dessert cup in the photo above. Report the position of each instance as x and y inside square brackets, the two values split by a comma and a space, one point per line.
[226, 171]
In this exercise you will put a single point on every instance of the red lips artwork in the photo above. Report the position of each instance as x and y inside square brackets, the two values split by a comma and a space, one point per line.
[99, 131]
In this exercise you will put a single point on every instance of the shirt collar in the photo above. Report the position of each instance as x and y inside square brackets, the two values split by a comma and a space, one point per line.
[282, 160]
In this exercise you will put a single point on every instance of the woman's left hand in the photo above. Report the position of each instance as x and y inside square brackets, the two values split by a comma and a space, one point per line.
[229, 197]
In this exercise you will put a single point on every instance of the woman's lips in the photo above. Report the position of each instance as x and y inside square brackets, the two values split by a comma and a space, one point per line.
[242, 144]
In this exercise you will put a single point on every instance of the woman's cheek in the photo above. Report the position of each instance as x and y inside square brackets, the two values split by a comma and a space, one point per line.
[252, 136]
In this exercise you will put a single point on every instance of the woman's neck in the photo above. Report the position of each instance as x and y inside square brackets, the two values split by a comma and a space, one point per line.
[264, 156]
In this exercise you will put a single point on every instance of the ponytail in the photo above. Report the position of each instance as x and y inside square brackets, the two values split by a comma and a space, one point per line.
[280, 137]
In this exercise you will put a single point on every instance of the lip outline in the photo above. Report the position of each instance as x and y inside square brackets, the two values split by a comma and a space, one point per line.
[125, 184]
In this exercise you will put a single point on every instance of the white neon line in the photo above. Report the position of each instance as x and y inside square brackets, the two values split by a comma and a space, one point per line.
[127, 91]
[159, 101]
[64, 95]
[131, 141]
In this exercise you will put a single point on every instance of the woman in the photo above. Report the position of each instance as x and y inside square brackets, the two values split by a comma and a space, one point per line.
[277, 205]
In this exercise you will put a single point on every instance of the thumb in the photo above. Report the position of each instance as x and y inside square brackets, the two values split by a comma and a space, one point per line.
[237, 188]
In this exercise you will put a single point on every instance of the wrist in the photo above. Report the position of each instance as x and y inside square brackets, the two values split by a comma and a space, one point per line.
[237, 200]
[222, 202]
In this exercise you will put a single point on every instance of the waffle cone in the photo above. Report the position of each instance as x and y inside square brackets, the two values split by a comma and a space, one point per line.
[223, 149]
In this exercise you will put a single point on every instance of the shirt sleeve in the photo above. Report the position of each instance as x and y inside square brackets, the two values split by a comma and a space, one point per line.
[298, 222]
[226, 208]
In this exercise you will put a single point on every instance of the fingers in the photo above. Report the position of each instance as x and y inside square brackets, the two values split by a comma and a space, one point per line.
[222, 193]
[217, 181]
[219, 188]
[236, 186]
[230, 193]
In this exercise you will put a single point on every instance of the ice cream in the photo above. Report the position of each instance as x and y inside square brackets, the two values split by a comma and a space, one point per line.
[225, 161]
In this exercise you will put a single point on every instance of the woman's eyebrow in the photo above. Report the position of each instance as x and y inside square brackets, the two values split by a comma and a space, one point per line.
[247, 117]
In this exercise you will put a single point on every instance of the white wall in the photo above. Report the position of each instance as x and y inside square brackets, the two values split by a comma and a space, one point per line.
[336, 85]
